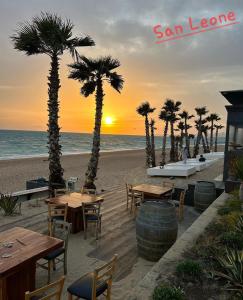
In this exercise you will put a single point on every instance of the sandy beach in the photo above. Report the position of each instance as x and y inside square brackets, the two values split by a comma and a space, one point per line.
[115, 168]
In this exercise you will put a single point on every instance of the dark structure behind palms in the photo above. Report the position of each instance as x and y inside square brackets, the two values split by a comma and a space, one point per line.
[212, 118]
[144, 110]
[92, 73]
[201, 111]
[152, 129]
[49, 34]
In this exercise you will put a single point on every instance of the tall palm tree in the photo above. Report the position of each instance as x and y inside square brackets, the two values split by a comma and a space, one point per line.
[181, 127]
[185, 116]
[144, 110]
[212, 118]
[92, 74]
[164, 116]
[48, 34]
[218, 127]
[201, 111]
[172, 107]
[205, 129]
[152, 129]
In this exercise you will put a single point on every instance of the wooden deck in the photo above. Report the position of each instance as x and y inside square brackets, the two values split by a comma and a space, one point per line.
[118, 236]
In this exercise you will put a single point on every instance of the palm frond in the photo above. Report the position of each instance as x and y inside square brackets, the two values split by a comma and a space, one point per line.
[79, 71]
[88, 88]
[27, 39]
[73, 43]
[116, 81]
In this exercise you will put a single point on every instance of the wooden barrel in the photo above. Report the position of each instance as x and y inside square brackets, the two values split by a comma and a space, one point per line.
[204, 195]
[156, 229]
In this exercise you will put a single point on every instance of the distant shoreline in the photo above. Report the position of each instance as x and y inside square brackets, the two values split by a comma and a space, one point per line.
[45, 156]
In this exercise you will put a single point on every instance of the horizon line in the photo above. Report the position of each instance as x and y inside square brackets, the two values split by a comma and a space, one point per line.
[196, 32]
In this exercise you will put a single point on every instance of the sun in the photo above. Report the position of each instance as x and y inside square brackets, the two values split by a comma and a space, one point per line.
[108, 121]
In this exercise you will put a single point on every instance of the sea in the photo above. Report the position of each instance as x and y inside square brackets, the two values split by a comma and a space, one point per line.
[15, 144]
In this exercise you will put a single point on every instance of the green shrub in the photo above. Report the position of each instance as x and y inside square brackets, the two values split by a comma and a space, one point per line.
[224, 211]
[232, 269]
[232, 239]
[165, 292]
[8, 204]
[239, 225]
[189, 269]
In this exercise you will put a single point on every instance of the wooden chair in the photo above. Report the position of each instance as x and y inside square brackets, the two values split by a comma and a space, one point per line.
[91, 214]
[169, 185]
[180, 206]
[131, 195]
[94, 284]
[52, 291]
[59, 192]
[56, 212]
[88, 191]
[61, 230]
[137, 199]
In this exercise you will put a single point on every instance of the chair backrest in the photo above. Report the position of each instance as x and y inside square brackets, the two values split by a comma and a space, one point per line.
[57, 210]
[88, 191]
[51, 291]
[129, 188]
[61, 230]
[59, 192]
[91, 209]
[182, 197]
[138, 195]
[104, 273]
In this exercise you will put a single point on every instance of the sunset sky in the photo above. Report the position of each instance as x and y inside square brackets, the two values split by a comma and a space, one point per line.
[192, 70]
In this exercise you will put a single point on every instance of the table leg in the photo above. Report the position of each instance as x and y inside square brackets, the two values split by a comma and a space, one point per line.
[3, 295]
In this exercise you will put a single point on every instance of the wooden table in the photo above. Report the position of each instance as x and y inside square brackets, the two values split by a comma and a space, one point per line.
[74, 201]
[17, 272]
[153, 191]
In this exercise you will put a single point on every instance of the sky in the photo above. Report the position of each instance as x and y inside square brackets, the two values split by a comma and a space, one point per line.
[192, 70]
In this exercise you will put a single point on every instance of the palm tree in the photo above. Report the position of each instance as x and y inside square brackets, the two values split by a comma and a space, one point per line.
[164, 116]
[186, 117]
[205, 129]
[152, 129]
[201, 111]
[144, 110]
[212, 118]
[92, 73]
[218, 127]
[48, 34]
[172, 107]
[181, 127]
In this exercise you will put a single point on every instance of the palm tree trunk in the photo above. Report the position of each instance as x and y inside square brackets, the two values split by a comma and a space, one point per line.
[172, 138]
[153, 147]
[94, 159]
[206, 141]
[163, 154]
[187, 140]
[211, 137]
[216, 141]
[56, 171]
[199, 136]
[204, 144]
[148, 145]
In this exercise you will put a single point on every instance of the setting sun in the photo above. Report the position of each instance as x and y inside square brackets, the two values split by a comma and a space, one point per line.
[108, 120]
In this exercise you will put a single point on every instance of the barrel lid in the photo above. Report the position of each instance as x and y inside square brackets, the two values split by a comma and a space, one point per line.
[162, 203]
